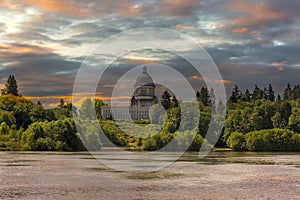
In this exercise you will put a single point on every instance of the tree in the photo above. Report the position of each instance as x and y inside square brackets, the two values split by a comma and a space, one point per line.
[278, 97]
[11, 87]
[213, 100]
[246, 96]
[98, 104]
[271, 93]
[203, 96]
[235, 95]
[287, 93]
[87, 109]
[257, 93]
[237, 141]
[61, 103]
[296, 92]
[166, 100]
[174, 102]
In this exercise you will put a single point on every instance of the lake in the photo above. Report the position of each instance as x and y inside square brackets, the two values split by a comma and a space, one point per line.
[220, 175]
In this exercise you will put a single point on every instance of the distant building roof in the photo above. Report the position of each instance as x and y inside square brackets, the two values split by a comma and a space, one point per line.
[144, 79]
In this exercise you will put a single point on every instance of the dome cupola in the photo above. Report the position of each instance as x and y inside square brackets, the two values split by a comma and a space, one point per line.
[144, 79]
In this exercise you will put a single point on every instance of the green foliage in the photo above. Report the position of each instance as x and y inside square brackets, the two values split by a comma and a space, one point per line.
[7, 117]
[203, 96]
[237, 141]
[166, 100]
[57, 135]
[183, 140]
[157, 114]
[113, 134]
[255, 121]
[11, 86]
[273, 140]
[98, 104]
[158, 141]
[294, 120]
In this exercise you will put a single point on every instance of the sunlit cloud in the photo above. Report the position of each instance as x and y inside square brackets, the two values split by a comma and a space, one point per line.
[43, 43]
[180, 8]
[254, 13]
[145, 59]
[23, 48]
[61, 6]
[181, 26]
[279, 65]
[209, 80]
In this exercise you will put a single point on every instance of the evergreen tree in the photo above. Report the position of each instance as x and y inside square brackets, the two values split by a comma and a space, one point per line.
[87, 109]
[287, 93]
[247, 96]
[232, 98]
[174, 102]
[278, 97]
[265, 93]
[198, 96]
[61, 103]
[271, 94]
[204, 96]
[213, 100]
[11, 87]
[257, 93]
[166, 100]
[296, 92]
[235, 95]
[39, 103]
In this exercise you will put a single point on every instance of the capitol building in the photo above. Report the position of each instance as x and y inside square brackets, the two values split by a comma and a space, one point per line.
[141, 101]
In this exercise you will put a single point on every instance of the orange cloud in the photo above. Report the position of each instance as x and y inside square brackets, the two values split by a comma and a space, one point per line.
[279, 65]
[87, 8]
[22, 48]
[240, 30]
[209, 80]
[255, 13]
[8, 4]
[181, 26]
[145, 59]
[57, 6]
[179, 7]
[225, 81]
[244, 30]
[197, 77]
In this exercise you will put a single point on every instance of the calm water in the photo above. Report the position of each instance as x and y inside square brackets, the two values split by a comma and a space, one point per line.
[44, 175]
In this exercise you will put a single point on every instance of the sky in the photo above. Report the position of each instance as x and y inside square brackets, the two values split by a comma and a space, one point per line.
[44, 42]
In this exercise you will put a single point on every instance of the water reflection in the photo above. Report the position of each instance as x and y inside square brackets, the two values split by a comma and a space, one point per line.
[230, 175]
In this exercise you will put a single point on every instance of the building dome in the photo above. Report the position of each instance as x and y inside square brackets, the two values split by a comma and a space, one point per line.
[144, 79]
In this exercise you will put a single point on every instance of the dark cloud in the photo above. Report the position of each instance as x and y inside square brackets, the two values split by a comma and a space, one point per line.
[252, 42]
[39, 71]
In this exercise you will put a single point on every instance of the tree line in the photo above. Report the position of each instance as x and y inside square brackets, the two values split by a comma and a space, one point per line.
[255, 121]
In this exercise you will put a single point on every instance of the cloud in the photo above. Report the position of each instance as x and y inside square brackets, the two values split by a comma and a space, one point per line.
[244, 30]
[279, 65]
[254, 13]
[181, 26]
[210, 80]
[180, 8]
[61, 6]
[22, 48]
[87, 8]
[38, 70]
[8, 4]
[251, 41]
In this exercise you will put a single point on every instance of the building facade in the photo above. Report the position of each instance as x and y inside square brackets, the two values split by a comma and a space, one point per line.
[143, 98]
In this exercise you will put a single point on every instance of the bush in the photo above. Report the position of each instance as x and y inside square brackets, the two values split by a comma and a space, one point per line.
[237, 141]
[58, 135]
[184, 139]
[273, 140]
